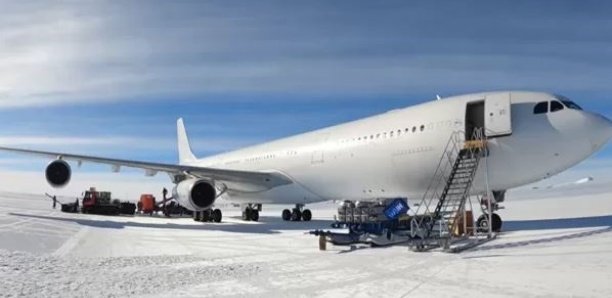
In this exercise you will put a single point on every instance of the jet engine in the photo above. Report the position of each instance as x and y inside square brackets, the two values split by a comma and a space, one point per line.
[195, 194]
[58, 173]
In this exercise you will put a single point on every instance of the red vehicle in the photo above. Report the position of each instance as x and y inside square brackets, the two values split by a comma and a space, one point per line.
[147, 204]
[100, 202]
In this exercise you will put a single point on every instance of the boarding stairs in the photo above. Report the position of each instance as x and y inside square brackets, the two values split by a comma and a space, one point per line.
[443, 206]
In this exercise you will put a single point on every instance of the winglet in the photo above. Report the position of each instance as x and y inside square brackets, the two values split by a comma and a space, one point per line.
[184, 150]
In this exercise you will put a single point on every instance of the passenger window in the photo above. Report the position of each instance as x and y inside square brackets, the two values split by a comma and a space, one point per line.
[541, 108]
[555, 106]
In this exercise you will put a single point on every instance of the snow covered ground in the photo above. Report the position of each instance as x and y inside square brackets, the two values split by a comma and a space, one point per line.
[552, 246]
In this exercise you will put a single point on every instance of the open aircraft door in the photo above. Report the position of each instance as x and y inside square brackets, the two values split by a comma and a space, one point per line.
[498, 118]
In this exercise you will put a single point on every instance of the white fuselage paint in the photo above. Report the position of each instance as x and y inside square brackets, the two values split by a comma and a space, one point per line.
[389, 155]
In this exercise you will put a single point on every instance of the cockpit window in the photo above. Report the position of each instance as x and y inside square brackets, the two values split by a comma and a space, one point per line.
[541, 108]
[568, 103]
[571, 105]
[555, 106]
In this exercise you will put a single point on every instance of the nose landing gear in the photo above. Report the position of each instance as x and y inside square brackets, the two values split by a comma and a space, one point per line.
[483, 223]
[297, 214]
[489, 206]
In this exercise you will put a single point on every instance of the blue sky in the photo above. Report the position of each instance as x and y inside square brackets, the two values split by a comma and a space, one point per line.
[110, 78]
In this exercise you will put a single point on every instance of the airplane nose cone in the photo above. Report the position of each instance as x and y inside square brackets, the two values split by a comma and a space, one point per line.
[601, 130]
[607, 128]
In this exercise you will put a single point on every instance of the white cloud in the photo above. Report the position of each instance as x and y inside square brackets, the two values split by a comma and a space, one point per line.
[83, 145]
[91, 51]
[67, 142]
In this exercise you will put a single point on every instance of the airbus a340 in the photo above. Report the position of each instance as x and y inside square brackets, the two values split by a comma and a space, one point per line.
[530, 136]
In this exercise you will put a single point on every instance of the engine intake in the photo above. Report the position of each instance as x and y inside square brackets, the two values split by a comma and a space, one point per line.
[195, 194]
[58, 173]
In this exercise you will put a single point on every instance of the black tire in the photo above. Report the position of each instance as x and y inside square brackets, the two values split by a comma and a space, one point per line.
[217, 216]
[497, 222]
[306, 215]
[196, 216]
[296, 215]
[254, 215]
[483, 223]
[286, 215]
[246, 214]
[206, 216]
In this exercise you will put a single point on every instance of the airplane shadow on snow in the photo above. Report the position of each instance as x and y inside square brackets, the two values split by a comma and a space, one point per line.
[559, 223]
[265, 225]
[603, 222]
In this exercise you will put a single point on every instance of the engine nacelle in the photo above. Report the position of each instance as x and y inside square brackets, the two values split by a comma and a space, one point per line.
[195, 194]
[58, 173]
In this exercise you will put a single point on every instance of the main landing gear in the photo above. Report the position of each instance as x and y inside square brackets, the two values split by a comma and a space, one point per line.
[210, 215]
[296, 214]
[251, 212]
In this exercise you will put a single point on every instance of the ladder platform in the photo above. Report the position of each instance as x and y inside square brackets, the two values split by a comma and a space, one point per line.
[475, 144]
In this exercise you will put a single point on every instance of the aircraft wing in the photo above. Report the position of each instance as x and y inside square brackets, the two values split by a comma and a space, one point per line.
[234, 179]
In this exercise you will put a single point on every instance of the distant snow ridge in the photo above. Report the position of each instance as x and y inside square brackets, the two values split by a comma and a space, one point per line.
[24, 274]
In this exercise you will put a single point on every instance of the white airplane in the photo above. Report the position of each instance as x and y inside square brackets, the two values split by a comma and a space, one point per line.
[531, 136]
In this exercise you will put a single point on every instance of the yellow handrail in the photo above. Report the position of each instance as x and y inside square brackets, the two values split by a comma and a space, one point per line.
[475, 144]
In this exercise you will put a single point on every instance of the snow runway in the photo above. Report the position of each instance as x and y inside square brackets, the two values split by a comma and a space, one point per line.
[44, 252]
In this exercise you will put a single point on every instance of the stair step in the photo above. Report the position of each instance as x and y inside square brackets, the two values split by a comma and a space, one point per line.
[464, 168]
[458, 169]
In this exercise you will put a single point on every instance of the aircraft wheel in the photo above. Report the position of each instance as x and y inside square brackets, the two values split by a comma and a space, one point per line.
[254, 215]
[296, 215]
[286, 215]
[217, 215]
[306, 215]
[246, 214]
[483, 223]
[196, 216]
[206, 216]
[497, 222]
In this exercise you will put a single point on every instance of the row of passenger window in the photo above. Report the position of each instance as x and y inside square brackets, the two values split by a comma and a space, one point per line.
[554, 106]
[259, 158]
[390, 134]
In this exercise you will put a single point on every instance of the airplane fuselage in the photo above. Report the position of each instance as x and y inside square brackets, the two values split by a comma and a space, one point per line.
[395, 154]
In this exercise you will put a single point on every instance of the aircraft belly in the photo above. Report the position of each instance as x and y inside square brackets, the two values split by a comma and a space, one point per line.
[286, 194]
